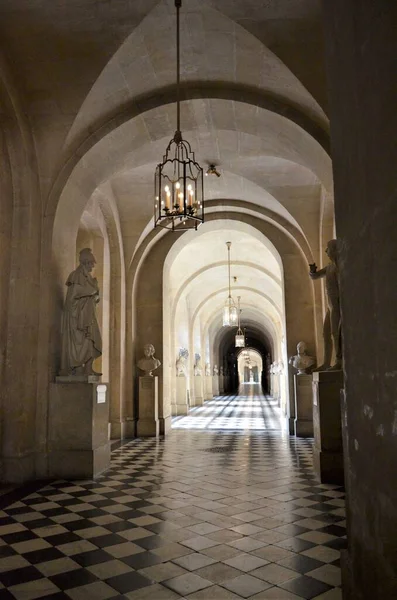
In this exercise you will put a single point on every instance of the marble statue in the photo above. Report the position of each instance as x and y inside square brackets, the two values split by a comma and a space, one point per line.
[181, 366]
[302, 361]
[81, 337]
[207, 369]
[332, 321]
[276, 368]
[215, 371]
[221, 371]
[198, 369]
[148, 363]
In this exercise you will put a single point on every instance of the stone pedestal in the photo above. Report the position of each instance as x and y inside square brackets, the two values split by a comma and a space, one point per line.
[148, 420]
[328, 450]
[181, 406]
[303, 422]
[221, 384]
[78, 429]
[215, 385]
[208, 393]
[198, 394]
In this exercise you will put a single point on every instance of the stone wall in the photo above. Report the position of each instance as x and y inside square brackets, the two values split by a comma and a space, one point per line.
[362, 61]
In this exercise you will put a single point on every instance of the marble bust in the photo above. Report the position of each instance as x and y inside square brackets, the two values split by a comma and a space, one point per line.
[198, 370]
[215, 372]
[207, 369]
[181, 367]
[81, 337]
[302, 361]
[148, 363]
[332, 323]
[221, 371]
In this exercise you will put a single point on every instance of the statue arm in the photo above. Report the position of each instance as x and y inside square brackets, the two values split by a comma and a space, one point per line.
[318, 274]
[83, 291]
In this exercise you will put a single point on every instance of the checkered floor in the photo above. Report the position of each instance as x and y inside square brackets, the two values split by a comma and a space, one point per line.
[199, 515]
[249, 410]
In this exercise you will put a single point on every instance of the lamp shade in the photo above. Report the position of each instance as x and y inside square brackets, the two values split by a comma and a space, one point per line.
[230, 316]
[179, 192]
[239, 340]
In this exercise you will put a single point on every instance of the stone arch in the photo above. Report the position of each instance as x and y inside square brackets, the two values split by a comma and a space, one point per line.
[149, 284]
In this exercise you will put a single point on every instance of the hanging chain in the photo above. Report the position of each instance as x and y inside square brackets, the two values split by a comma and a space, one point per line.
[178, 135]
[228, 261]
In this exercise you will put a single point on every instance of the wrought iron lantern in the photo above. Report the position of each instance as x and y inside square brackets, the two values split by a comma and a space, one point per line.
[239, 337]
[230, 316]
[179, 186]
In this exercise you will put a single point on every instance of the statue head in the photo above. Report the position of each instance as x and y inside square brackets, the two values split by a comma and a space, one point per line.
[332, 250]
[301, 348]
[148, 350]
[87, 259]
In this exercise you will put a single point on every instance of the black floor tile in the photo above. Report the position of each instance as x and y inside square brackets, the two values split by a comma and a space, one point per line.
[8, 521]
[101, 503]
[129, 582]
[120, 526]
[6, 595]
[153, 541]
[302, 564]
[58, 596]
[323, 507]
[306, 587]
[23, 575]
[295, 544]
[78, 524]
[93, 513]
[93, 557]
[44, 555]
[337, 544]
[334, 530]
[63, 538]
[328, 518]
[142, 560]
[37, 523]
[103, 541]
[72, 579]
[54, 512]
[130, 514]
[20, 536]
[6, 551]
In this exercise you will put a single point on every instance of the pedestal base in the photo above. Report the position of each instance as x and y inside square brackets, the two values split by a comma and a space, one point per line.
[148, 421]
[221, 384]
[303, 424]
[328, 466]
[208, 393]
[328, 449]
[165, 424]
[78, 438]
[215, 385]
[198, 399]
[181, 406]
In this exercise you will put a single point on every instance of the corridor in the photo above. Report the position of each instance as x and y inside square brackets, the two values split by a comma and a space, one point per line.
[249, 410]
[202, 514]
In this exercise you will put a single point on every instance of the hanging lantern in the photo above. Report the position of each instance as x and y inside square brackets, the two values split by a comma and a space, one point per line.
[239, 337]
[179, 187]
[230, 316]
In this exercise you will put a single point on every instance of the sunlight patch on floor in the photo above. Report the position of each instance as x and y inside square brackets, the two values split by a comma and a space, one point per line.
[248, 411]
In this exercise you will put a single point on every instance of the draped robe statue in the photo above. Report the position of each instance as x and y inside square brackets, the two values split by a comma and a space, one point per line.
[81, 337]
[332, 323]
